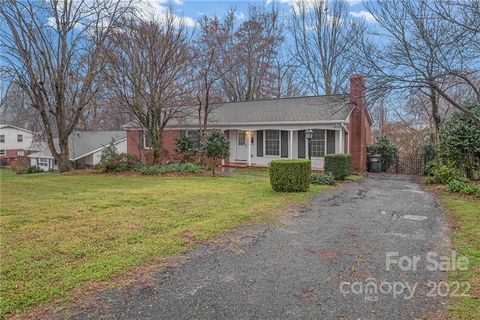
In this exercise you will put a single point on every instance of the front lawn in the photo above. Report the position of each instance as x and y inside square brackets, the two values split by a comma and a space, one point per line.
[61, 231]
[464, 218]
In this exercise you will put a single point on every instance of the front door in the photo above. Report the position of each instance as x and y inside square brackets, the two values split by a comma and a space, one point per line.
[241, 147]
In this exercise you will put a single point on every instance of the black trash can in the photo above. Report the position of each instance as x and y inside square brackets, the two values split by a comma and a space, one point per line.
[375, 163]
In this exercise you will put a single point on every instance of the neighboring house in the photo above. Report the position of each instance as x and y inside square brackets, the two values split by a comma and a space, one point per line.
[85, 149]
[15, 143]
[263, 130]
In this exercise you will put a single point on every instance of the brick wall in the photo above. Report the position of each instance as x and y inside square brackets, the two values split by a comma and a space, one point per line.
[134, 144]
[359, 125]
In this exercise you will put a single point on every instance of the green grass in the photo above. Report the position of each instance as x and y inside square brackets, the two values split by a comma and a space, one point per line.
[354, 177]
[251, 171]
[59, 232]
[464, 216]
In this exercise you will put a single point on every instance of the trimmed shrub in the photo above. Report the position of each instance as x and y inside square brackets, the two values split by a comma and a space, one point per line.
[322, 178]
[290, 175]
[463, 187]
[121, 163]
[340, 165]
[444, 174]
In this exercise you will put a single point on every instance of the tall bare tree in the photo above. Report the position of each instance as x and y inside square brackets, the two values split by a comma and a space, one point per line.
[53, 51]
[211, 61]
[419, 50]
[254, 46]
[148, 74]
[324, 34]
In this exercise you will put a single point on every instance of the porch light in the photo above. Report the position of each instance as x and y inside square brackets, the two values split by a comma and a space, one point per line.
[309, 133]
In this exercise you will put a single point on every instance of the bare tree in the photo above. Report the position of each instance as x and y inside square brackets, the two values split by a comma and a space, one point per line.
[148, 74]
[211, 62]
[416, 51]
[53, 51]
[284, 78]
[254, 46]
[16, 109]
[324, 35]
[462, 63]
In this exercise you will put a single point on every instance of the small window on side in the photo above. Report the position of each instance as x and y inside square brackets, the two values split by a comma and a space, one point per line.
[19, 137]
[2, 138]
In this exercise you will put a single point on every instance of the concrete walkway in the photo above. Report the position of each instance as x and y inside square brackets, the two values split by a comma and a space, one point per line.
[314, 265]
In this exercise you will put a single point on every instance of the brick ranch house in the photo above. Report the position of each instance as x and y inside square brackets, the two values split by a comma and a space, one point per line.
[264, 130]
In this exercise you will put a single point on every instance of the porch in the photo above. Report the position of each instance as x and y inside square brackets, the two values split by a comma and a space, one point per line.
[256, 147]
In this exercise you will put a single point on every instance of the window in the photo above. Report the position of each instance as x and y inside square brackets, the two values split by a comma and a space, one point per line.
[2, 152]
[195, 136]
[43, 162]
[2, 138]
[19, 137]
[318, 143]
[272, 142]
[241, 138]
[147, 142]
[20, 153]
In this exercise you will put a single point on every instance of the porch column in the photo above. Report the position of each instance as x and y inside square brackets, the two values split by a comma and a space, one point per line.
[342, 150]
[249, 143]
[223, 160]
[290, 150]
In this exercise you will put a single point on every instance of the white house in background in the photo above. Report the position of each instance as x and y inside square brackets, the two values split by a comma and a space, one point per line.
[15, 143]
[85, 148]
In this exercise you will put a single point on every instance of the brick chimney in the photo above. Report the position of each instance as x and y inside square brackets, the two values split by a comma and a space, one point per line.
[359, 124]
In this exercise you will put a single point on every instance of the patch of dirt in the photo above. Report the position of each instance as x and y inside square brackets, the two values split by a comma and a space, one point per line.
[307, 294]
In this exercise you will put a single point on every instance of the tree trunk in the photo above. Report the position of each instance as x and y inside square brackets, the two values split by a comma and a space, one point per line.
[214, 164]
[64, 164]
[158, 148]
[436, 122]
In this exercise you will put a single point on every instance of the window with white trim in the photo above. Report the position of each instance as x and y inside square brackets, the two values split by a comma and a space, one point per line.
[318, 143]
[147, 142]
[43, 162]
[2, 152]
[19, 137]
[2, 138]
[20, 153]
[272, 142]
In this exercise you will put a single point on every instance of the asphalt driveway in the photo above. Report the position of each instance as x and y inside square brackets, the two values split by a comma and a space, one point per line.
[314, 265]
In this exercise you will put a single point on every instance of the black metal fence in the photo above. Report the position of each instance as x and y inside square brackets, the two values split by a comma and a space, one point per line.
[414, 165]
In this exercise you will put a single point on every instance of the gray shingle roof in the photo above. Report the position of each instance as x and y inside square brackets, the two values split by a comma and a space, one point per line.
[300, 109]
[83, 142]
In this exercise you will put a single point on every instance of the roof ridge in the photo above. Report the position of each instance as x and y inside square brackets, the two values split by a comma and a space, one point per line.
[284, 98]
